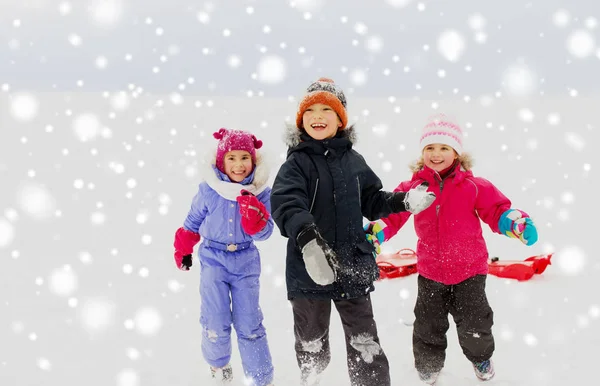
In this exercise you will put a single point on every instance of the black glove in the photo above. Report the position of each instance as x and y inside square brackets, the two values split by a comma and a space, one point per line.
[186, 262]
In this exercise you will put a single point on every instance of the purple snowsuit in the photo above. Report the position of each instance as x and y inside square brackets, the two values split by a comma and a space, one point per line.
[215, 216]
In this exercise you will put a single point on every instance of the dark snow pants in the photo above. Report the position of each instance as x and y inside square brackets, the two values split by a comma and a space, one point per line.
[468, 305]
[367, 363]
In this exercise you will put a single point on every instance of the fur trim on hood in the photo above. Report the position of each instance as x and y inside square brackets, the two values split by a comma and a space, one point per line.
[292, 134]
[231, 190]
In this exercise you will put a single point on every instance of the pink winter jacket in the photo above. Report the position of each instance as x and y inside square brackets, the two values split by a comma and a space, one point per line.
[451, 247]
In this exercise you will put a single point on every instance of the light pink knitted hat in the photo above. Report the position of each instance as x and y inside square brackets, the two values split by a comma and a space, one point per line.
[441, 129]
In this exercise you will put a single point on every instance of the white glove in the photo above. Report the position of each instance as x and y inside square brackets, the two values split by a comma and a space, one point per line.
[316, 260]
[418, 199]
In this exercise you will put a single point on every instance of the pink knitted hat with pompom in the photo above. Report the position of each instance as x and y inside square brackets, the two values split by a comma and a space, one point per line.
[235, 140]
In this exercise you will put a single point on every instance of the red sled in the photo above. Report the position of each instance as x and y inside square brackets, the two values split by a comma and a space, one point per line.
[399, 264]
[520, 270]
[404, 263]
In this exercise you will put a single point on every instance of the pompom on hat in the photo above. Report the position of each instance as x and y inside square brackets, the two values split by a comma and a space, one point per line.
[324, 91]
[442, 129]
[230, 140]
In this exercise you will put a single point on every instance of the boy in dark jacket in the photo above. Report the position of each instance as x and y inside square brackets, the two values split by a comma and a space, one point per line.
[318, 201]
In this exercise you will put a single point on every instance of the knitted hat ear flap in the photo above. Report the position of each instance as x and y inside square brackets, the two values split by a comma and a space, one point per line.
[326, 92]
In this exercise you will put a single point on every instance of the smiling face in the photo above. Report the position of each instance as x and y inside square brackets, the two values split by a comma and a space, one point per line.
[321, 121]
[237, 164]
[438, 156]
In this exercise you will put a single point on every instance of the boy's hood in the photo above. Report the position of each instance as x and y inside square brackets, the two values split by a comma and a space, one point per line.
[292, 135]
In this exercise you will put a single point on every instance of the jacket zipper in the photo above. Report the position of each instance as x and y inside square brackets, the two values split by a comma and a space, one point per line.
[437, 215]
[314, 196]
[358, 184]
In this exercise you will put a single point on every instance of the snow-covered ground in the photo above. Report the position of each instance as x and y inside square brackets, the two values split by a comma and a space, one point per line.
[107, 111]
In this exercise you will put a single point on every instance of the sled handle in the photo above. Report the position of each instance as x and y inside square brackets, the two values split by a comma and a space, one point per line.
[406, 252]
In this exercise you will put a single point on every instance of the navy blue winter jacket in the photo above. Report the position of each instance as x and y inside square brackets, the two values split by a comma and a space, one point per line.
[329, 184]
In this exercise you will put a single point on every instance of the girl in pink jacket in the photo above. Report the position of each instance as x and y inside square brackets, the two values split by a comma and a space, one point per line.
[452, 254]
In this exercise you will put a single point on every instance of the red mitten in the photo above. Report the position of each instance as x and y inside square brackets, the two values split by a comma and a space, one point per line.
[184, 246]
[254, 214]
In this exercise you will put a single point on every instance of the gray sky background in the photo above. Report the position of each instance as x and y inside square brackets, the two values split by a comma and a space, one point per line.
[51, 45]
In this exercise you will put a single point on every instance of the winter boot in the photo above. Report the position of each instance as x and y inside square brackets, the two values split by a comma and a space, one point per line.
[310, 378]
[429, 378]
[223, 375]
[484, 370]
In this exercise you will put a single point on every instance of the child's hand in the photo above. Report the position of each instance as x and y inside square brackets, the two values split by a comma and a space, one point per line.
[418, 199]
[375, 236]
[254, 214]
[517, 224]
[319, 258]
[184, 246]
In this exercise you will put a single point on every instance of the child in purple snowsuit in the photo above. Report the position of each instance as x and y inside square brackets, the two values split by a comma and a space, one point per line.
[229, 212]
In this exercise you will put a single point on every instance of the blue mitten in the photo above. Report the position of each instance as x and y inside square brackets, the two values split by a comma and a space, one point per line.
[375, 235]
[517, 224]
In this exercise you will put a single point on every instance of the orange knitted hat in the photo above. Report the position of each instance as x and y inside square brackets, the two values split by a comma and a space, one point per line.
[324, 91]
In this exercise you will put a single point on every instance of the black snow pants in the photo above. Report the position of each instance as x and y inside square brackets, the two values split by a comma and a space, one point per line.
[468, 305]
[367, 363]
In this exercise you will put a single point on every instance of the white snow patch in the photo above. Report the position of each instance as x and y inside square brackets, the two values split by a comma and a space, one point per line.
[477, 21]
[272, 69]
[571, 260]
[7, 233]
[399, 3]
[86, 126]
[211, 335]
[132, 353]
[451, 44]
[530, 339]
[120, 101]
[63, 281]
[148, 321]
[128, 377]
[567, 197]
[313, 346]
[24, 107]
[36, 201]
[575, 141]
[581, 44]
[97, 315]
[367, 347]
[374, 44]
[106, 12]
[554, 119]
[380, 129]
[101, 62]
[64, 8]
[44, 364]
[526, 115]
[519, 80]
[308, 5]
[98, 218]
[404, 294]
[358, 77]
[561, 18]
